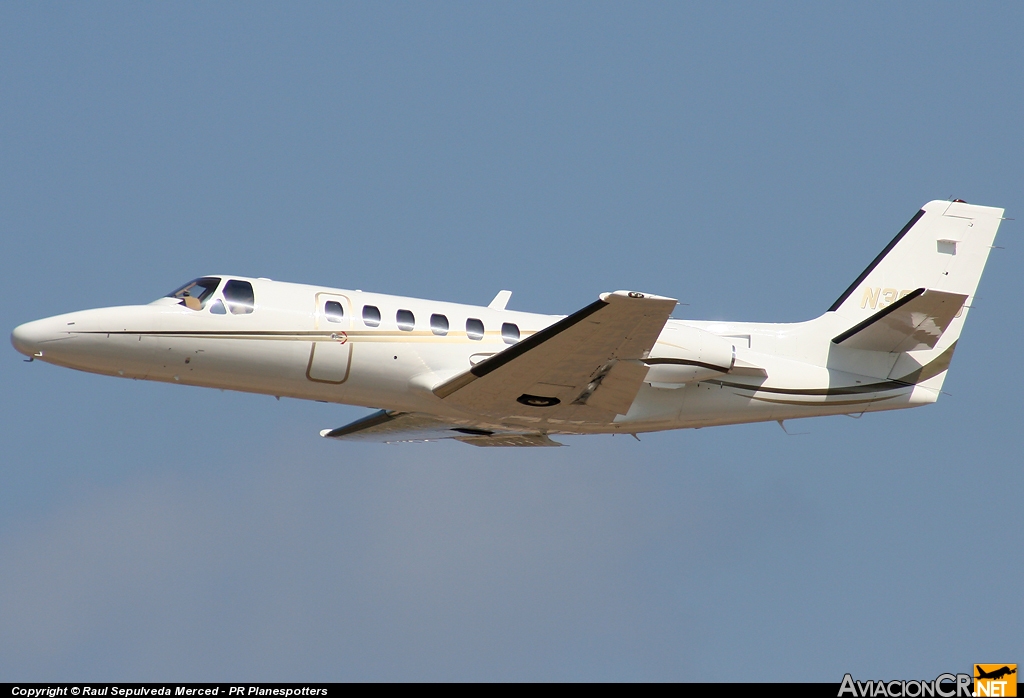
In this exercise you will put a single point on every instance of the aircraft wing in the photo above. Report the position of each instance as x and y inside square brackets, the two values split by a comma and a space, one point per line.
[914, 322]
[586, 367]
[396, 427]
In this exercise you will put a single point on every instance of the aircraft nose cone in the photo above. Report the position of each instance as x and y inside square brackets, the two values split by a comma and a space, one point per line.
[28, 338]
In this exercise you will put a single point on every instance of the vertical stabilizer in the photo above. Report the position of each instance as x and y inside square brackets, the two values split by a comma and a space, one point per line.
[942, 249]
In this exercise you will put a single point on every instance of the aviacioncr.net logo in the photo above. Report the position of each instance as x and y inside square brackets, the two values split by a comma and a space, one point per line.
[943, 686]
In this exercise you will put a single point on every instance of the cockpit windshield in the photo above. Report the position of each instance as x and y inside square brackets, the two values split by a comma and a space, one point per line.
[195, 293]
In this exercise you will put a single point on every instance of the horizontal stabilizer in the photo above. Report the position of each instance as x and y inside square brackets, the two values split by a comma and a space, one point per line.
[912, 323]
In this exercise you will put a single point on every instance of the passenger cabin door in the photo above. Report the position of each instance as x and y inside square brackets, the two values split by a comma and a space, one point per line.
[330, 356]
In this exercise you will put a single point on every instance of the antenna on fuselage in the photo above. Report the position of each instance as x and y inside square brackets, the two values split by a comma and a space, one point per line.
[500, 300]
[782, 423]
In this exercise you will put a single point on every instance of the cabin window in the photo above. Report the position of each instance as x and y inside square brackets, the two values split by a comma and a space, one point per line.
[195, 293]
[239, 297]
[371, 315]
[510, 332]
[405, 319]
[334, 312]
[439, 324]
[474, 328]
[218, 307]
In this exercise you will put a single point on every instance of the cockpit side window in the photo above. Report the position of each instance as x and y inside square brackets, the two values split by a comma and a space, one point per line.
[195, 293]
[239, 297]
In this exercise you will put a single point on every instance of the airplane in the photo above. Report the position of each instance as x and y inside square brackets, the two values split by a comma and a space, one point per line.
[995, 674]
[490, 376]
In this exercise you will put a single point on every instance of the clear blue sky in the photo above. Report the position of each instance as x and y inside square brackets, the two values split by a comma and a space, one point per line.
[749, 159]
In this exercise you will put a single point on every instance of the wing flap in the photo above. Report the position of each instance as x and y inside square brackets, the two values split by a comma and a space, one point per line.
[385, 426]
[584, 368]
[616, 388]
[509, 440]
[914, 322]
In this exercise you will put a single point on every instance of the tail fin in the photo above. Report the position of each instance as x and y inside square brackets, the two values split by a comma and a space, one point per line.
[943, 248]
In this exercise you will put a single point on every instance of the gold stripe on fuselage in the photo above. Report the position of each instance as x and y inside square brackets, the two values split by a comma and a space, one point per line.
[358, 336]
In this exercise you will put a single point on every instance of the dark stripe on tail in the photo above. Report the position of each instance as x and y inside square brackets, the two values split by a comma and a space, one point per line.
[879, 258]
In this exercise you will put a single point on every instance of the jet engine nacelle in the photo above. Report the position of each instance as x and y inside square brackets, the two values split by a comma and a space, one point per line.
[687, 355]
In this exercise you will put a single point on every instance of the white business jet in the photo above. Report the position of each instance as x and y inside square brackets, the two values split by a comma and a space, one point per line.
[489, 376]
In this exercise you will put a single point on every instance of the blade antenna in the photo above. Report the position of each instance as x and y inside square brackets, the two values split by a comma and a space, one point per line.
[788, 432]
